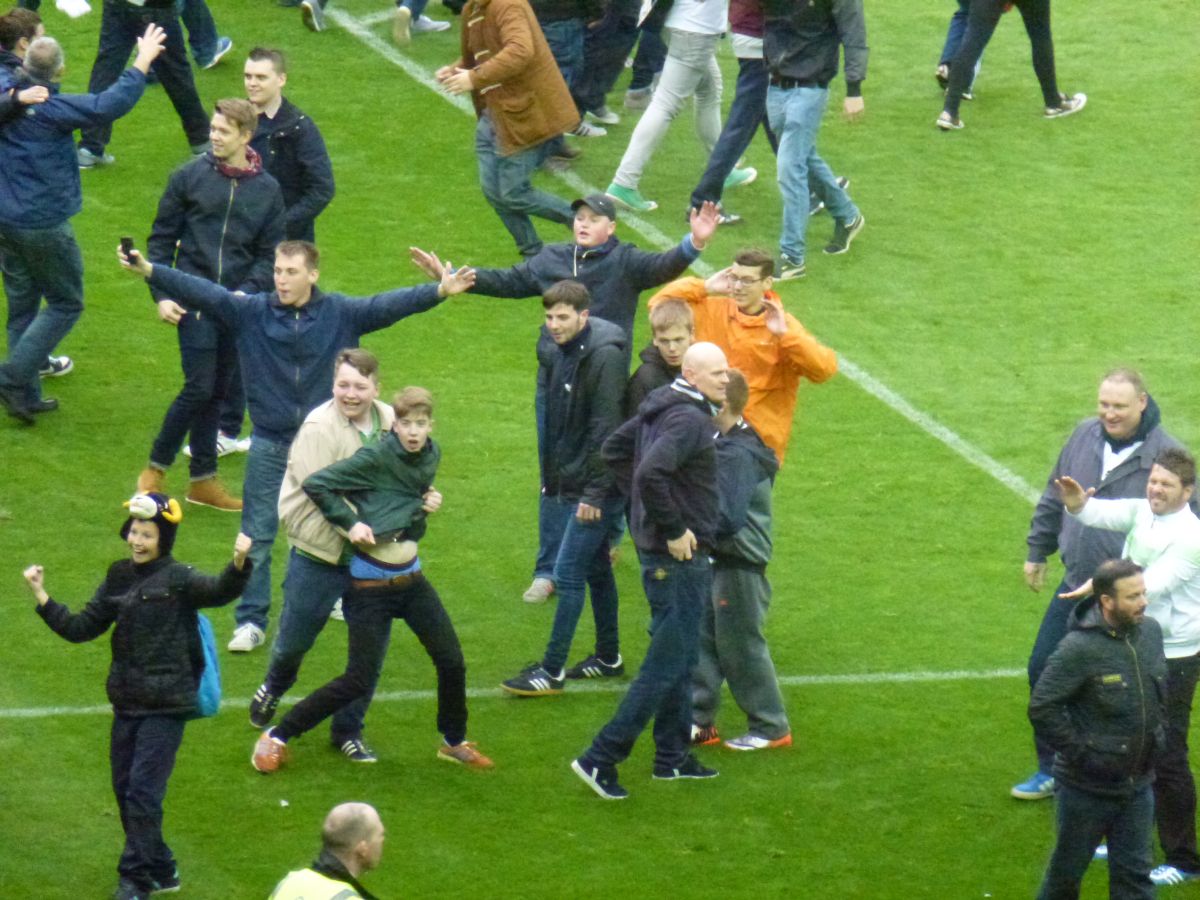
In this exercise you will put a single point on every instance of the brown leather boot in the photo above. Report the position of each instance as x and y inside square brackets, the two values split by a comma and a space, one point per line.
[210, 492]
[152, 481]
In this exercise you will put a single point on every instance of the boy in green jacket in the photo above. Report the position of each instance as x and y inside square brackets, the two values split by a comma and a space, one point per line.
[380, 498]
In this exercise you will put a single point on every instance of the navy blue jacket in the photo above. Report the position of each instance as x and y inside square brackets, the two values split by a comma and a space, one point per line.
[39, 178]
[584, 382]
[614, 273]
[293, 151]
[287, 353]
[665, 461]
[219, 228]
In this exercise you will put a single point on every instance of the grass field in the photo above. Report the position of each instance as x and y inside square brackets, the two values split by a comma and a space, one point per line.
[1002, 270]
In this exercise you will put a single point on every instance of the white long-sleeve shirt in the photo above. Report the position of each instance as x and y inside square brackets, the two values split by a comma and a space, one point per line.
[1168, 548]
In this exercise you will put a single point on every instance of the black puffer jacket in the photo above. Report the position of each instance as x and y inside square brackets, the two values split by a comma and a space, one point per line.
[1100, 703]
[156, 654]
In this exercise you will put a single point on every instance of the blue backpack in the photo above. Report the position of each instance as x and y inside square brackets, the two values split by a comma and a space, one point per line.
[208, 692]
[208, 688]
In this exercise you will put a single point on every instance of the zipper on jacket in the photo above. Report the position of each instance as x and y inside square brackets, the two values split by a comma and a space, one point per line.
[224, 228]
[1137, 668]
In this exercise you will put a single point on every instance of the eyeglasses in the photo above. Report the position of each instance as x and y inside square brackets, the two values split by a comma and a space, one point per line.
[743, 282]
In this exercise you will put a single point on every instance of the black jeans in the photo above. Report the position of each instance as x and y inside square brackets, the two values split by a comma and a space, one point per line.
[120, 27]
[369, 613]
[209, 364]
[1174, 788]
[982, 17]
[142, 754]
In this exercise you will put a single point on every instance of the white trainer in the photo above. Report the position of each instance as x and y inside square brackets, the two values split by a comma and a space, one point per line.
[426, 25]
[539, 591]
[246, 637]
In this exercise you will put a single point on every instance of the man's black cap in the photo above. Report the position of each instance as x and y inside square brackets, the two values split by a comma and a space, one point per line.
[600, 203]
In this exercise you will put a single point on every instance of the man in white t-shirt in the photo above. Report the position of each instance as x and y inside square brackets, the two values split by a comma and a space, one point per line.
[1162, 534]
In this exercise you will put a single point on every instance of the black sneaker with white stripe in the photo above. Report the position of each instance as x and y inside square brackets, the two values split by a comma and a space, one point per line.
[689, 768]
[262, 707]
[595, 667]
[535, 681]
[56, 367]
[601, 779]
[357, 751]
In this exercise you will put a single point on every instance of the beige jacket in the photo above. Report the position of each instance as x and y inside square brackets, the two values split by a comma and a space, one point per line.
[325, 437]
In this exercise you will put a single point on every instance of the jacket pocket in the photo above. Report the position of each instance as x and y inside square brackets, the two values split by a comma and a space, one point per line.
[1108, 758]
[520, 118]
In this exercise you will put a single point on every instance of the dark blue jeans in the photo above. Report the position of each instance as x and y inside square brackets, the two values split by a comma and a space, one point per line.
[38, 263]
[565, 37]
[651, 55]
[1083, 820]
[1175, 788]
[369, 613]
[677, 592]
[1052, 630]
[582, 565]
[201, 30]
[746, 113]
[606, 46]
[233, 410]
[142, 754]
[266, 465]
[195, 411]
[120, 27]
[310, 588]
[506, 185]
[954, 34]
[982, 18]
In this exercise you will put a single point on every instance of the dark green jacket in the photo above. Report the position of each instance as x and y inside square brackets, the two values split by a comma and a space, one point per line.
[382, 485]
[1100, 703]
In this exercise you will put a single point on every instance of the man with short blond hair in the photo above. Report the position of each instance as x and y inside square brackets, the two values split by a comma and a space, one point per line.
[318, 571]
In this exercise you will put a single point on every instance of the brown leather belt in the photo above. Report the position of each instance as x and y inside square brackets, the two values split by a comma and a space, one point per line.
[397, 581]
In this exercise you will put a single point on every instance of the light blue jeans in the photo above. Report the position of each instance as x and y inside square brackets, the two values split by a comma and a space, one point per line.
[795, 117]
[265, 467]
[690, 70]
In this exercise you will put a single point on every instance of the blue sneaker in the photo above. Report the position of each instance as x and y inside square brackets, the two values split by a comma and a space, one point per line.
[224, 45]
[601, 779]
[1038, 786]
[1101, 853]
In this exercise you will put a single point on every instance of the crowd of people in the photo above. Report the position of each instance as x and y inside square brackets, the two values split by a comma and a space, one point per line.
[683, 452]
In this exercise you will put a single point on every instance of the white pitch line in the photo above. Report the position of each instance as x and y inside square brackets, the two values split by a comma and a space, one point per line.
[587, 687]
[861, 377]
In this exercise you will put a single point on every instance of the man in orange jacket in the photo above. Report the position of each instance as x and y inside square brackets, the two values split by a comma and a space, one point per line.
[737, 310]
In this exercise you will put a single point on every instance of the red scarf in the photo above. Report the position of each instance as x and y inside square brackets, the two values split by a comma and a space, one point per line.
[253, 166]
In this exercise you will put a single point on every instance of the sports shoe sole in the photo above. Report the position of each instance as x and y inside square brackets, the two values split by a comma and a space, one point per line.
[522, 692]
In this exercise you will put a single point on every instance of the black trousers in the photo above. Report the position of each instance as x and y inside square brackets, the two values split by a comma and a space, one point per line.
[1174, 787]
[142, 754]
[982, 17]
[369, 613]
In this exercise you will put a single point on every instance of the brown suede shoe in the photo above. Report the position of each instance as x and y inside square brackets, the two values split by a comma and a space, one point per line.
[152, 481]
[211, 492]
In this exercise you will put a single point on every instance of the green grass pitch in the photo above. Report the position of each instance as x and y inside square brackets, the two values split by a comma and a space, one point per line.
[1002, 270]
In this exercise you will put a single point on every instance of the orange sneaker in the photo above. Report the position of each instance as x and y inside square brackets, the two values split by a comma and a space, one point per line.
[464, 754]
[269, 753]
[210, 492]
[705, 735]
[152, 481]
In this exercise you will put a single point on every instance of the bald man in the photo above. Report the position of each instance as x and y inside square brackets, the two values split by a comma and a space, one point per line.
[665, 462]
[351, 843]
